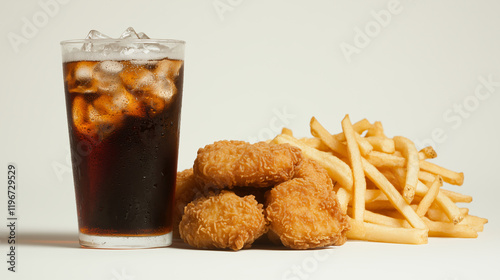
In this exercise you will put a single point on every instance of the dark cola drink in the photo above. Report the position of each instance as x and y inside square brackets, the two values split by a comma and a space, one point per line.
[124, 118]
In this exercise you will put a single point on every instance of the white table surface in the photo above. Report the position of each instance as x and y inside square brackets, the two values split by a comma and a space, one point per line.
[58, 256]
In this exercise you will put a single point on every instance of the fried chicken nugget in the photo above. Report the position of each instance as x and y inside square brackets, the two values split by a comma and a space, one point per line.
[238, 163]
[186, 189]
[223, 221]
[312, 170]
[304, 212]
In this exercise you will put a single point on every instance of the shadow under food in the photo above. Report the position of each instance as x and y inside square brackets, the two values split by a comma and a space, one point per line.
[64, 240]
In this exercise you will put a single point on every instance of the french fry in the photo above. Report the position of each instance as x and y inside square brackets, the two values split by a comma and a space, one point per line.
[392, 194]
[457, 197]
[344, 197]
[314, 143]
[391, 166]
[429, 197]
[336, 168]
[359, 127]
[379, 205]
[372, 195]
[449, 176]
[426, 177]
[474, 222]
[400, 175]
[376, 130]
[379, 219]
[286, 131]
[317, 130]
[393, 214]
[380, 160]
[435, 213]
[427, 153]
[450, 209]
[335, 141]
[364, 146]
[407, 148]
[373, 232]
[381, 144]
[443, 229]
[357, 170]
[389, 174]
[374, 175]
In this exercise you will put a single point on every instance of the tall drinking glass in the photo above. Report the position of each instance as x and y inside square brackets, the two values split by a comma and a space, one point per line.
[123, 100]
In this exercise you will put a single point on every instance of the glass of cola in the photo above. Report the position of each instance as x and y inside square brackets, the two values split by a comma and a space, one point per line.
[123, 100]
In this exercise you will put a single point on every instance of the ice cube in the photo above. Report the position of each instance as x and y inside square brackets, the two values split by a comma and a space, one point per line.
[132, 45]
[94, 34]
[130, 33]
[121, 100]
[160, 95]
[165, 88]
[133, 106]
[155, 103]
[83, 71]
[107, 105]
[79, 111]
[138, 79]
[110, 66]
[106, 76]
[168, 68]
[79, 77]
[81, 118]
[142, 35]
[103, 123]
[120, 103]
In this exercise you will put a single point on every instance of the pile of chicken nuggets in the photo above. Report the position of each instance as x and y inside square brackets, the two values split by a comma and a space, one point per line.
[238, 192]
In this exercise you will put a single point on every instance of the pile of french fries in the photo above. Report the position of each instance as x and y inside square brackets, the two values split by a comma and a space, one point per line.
[387, 187]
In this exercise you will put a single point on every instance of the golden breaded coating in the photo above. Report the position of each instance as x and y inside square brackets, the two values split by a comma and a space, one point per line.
[258, 192]
[311, 170]
[222, 221]
[238, 163]
[186, 189]
[304, 212]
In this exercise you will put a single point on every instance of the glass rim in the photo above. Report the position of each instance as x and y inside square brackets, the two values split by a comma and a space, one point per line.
[124, 41]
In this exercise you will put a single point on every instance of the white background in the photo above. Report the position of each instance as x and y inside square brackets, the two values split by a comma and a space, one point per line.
[249, 70]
